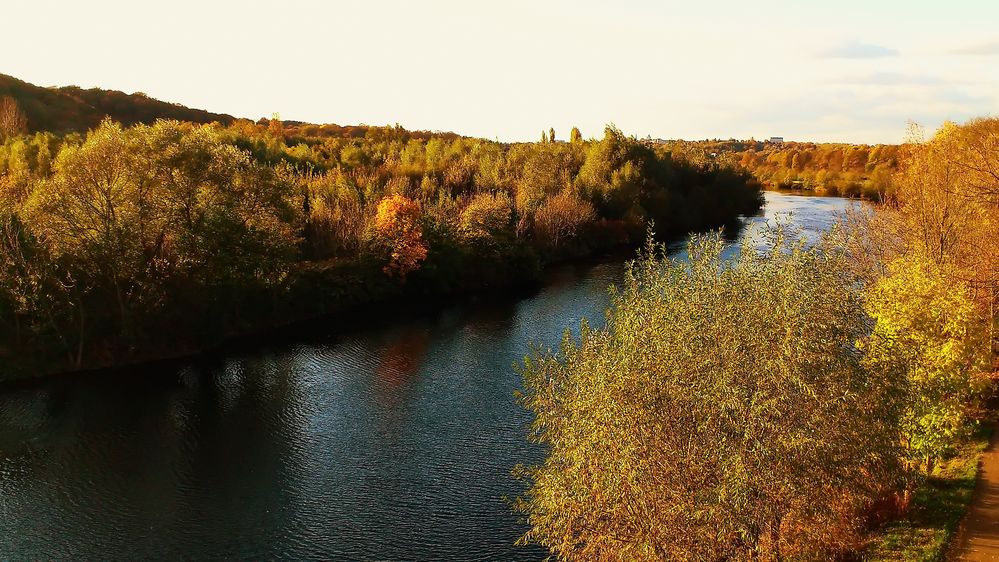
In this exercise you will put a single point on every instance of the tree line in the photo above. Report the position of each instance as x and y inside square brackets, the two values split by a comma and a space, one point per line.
[776, 405]
[848, 170]
[143, 241]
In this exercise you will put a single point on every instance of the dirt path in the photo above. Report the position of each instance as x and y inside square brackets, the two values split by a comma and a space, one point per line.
[979, 538]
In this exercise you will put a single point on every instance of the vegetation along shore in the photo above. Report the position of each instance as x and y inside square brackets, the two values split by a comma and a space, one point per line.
[125, 243]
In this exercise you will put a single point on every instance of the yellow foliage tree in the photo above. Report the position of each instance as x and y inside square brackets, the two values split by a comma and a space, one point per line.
[947, 204]
[928, 328]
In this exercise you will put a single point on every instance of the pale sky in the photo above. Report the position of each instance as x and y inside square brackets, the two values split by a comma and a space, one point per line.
[847, 70]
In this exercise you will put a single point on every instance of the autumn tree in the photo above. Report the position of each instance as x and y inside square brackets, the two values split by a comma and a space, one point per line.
[161, 215]
[933, 259]
[613, 174]
[575, 137]
[336, 216]
[38, 298]
[544, 171]
[551, 134]
[397, 227]
[944, 207]
[929, 256]
[928, 328]
[93, 213]
[276, 126]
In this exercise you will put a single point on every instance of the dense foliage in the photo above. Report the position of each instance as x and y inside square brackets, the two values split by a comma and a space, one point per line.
[932, 253]
[722, 414]
[849, 170]
[928, 327]
[139, 241]
[777, 405]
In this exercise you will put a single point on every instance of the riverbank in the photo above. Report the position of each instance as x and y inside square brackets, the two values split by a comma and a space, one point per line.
[343, 290]
[313, 291]
[376, 435]
[217, 232]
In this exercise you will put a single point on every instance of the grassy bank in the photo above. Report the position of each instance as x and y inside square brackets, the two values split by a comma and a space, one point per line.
[926, 533]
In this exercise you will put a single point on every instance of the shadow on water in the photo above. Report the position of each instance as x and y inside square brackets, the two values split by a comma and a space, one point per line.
[359, 437]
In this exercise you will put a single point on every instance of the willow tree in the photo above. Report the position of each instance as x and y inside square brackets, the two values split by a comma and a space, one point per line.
[723, 413]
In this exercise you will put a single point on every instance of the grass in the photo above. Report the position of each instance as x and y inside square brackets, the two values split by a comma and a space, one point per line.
[925, 534]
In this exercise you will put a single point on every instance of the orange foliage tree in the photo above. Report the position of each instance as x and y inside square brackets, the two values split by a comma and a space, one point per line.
[397, 225]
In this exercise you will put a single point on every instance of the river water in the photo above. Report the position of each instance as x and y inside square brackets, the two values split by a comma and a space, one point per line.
[357, 440]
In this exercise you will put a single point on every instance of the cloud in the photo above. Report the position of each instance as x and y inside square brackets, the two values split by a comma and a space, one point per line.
[982, 49]
[857, 50]
[846, 113]
[891, 79]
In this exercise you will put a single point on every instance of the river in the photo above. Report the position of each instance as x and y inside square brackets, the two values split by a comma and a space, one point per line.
[357, 440]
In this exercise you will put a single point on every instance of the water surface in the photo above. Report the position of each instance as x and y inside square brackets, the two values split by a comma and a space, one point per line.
[359, 440]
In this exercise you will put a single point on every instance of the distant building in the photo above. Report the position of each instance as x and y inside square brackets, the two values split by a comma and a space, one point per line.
[777, 140]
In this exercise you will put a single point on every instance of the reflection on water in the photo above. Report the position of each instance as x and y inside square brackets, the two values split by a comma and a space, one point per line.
[390, 441]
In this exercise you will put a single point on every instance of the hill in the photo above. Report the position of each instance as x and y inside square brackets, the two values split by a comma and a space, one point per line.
[70, 109]
[74, 109]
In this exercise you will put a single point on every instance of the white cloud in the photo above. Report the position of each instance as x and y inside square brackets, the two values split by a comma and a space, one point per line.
[890, 79]
[857, 50]
[981, 49]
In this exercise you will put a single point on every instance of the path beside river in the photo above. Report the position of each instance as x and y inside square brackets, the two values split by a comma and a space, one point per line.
[979, 538]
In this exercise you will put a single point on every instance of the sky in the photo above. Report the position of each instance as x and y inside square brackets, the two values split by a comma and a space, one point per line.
[846, 71]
